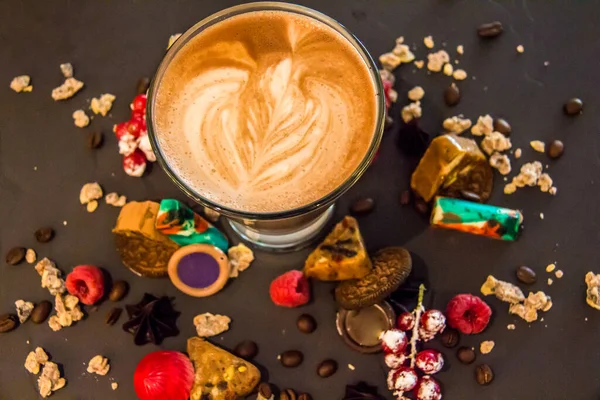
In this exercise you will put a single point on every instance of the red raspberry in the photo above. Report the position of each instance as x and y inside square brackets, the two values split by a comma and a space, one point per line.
[428, 389]
[403, 379]
[394, 341]
[86, 282]
[469, 314]
[429, 361]
[134, 164]
[139, 103]
[406, 321]
[290, 289]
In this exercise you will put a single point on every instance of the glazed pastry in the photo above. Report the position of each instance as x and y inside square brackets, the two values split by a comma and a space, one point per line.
[452, 165]
[219, 375]
[341, 256]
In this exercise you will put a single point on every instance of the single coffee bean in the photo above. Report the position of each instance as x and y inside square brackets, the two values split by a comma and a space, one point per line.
[471, 196]
[465, 355]
[501, 125]
[44, 235]
[327, 368]
[291, 358]
[306, 323]
[113, 316]
[452, 95]
[40, 312]
[16, 255]
[94, 140]
[526, 275]
[288, 394]
[362, 206]
[118, 291]
[573, 106]
[490, 30]
[450, 338]
[246, 350]
[421, 206]
[305, 396]
[142, 85]
[264, 389]
[555, 149]
[484, 374]
[405, 198]
[8, 322]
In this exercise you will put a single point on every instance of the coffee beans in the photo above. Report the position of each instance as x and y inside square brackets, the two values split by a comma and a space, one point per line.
[471, 196]
[113, 316]
[118, 291]
[8, 322]
[573, 106]
[421, 206]
[40, 312]
[94, 140]
[484, 374]
[264, 390]
[501, 125]
[555, 149]
[465, 355]
[288, 394]
[526, 275]
[490, 30]
[142, 85]
[44, 235]
[362, 206]
[291, 358]
[16, 255]
[452, 95]
[246, 350]
[450, 338]
[306, 323]
[405, 198]
[327, 368]
[305, 396]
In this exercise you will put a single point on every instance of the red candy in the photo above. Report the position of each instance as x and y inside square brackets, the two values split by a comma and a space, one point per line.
[134, 164]
[290, 289]
[394, 341]
[403, 379]
[432, 323]
[429, 361]
[406, 321]
[468, 314]
[86, 282]
[139, 103]
[428, 389]
[164, 375]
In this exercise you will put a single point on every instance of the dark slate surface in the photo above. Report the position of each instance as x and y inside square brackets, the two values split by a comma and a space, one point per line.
[113, 43]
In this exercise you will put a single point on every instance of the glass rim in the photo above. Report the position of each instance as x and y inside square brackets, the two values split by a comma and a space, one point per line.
[267, 6]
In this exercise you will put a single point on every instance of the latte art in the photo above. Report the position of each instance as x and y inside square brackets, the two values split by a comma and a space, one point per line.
[266, 111]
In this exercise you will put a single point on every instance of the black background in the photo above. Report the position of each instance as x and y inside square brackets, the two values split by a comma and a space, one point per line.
[113, 43]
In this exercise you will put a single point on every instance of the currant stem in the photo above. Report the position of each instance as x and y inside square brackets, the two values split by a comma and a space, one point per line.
[415, 332]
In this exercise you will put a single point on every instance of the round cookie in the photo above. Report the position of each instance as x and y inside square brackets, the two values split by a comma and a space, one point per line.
[199, 270]
[391, 267]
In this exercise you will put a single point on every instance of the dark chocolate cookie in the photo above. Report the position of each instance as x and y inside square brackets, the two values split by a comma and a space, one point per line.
[391, 267]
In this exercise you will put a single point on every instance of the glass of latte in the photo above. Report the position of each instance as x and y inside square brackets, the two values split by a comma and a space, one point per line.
[267, 113]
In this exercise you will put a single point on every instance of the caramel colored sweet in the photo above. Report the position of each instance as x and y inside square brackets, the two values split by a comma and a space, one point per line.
[450, 165]
[142, 248]
[219, 375]
[341, 256]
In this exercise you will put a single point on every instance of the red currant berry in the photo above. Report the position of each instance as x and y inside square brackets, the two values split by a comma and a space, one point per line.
[139, 103]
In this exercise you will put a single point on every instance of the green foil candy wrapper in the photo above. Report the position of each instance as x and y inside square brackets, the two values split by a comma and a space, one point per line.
[183, 226]
[478, 219]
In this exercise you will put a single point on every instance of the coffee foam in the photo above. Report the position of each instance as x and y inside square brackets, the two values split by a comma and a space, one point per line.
[265, 111]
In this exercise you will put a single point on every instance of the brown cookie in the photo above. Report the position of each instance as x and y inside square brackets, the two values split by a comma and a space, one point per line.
[391, 267]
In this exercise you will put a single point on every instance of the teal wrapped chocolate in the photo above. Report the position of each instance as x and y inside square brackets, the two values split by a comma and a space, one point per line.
[183, 226]
[478, 219]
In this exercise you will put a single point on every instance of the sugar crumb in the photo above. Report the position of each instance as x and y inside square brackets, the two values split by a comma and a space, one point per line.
[460, 50]
[550, 267]
[550, 281]
[559, 274]
[520, 49]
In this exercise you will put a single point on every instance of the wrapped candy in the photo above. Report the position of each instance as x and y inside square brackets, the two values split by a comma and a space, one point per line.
[479, 219]
[182, 225]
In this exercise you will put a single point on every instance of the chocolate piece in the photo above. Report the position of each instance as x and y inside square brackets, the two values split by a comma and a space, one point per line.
[362, 328]
[391, 267]
[199, 270]
[118, 291]
[450, 165]
[16, 255]
[479, 219]
[327, 368]
[362, 391]
[142, 248]
[246, 350]
[151, 320]
[573, 107]
[341, 256]
[213, 364]
[362, 206]
[490, 30]
[291, 358]
[465, 355]
[113, 316]
[306, 323]
[484, 374]
[41, 311]
[44, 235]
[526, 275]
[182, 225]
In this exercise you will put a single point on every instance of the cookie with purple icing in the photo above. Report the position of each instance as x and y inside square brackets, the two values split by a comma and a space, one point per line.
[199, 270]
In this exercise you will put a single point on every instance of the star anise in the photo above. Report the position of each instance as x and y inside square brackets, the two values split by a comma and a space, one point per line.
[151, 320]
